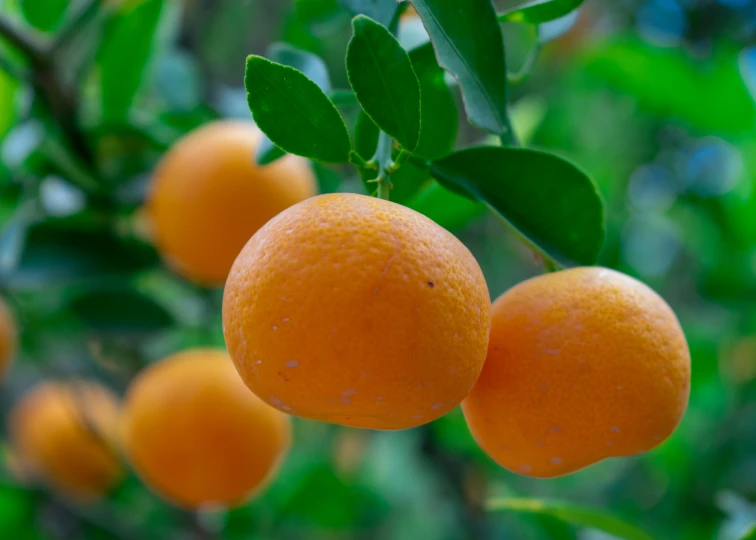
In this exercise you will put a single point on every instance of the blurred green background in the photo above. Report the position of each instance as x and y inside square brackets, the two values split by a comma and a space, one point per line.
[655, 99]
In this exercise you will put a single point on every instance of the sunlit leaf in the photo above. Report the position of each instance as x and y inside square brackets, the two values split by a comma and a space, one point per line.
[539, 11]
[573, 514]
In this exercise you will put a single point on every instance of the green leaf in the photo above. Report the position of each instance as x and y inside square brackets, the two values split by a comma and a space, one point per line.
[384, 81]
[408, 181]
[573, 514]
[8, 88]
[308, 63]
[709, 95]
[313, 68]
[294, 112]
[328, 179]
[382, 11]
[366, 136]
[130, 38]
[750, 533]
[63, 250]
[469, 44]
[546, 199]
[446, 208]
[438, 110]
[539, 11]
[123, 311]
[268, 152]
[44, 15]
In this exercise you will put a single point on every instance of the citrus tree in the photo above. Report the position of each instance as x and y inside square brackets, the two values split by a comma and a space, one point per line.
[335, 212]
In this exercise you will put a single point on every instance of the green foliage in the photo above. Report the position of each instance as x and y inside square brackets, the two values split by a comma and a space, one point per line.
[312, 67]
[469, 44]
[438, 110]
[666, 132]
[384, 81]
[128, 44]
[45, 15]
[549, 201]
[539, 11]
[119, 312]
[576, 515]
[294, 112]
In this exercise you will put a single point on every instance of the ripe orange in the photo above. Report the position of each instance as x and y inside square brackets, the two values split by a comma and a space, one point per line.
[582, 365]
[65, 433]
[196, 435]
[357, 311]
[209, 197]
[7, 338]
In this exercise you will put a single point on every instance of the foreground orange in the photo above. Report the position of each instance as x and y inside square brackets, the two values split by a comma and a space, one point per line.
[357, 311]
[196, 435]
[7, 338]
[65, 434]
[582, 365]
[209, 197]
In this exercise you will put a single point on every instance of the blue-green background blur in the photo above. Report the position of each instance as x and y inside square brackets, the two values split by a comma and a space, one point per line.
[655, 99]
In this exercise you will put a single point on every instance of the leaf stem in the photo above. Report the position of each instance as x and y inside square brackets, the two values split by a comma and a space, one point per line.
[383, 159]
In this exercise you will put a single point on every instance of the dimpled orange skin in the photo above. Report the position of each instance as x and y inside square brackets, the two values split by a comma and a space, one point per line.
[196, 435]
[66, 434]
[357, 311]
[7, 338]
[582, 365]
[209, 197]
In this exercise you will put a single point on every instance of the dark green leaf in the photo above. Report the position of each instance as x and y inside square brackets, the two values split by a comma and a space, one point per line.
[129, 42]
[539, 11]
[573, 514]
[44, 15]
[545, 198]
[314, 69]
[384, 81]
[408, 181]
[61, 250]
[294, 112]
[268, 152]
[446, 208]
[382, 11]
[328, 179]
[750, 533]
[438, 110]
[366, 136]
[469, 44]
[123, 311]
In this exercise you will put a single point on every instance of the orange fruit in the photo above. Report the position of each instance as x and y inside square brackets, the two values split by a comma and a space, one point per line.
[357, 311]
[582, 365]
[65, 434]
[208, 197]
[196, 435]
[7, 338]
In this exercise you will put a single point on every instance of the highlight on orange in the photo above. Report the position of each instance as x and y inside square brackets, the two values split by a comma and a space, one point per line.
[357, 311]
[197, 436]
[583, 365]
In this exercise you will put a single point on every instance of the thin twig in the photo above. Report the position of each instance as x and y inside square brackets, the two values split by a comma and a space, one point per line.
[82, 18]
[23, 43]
